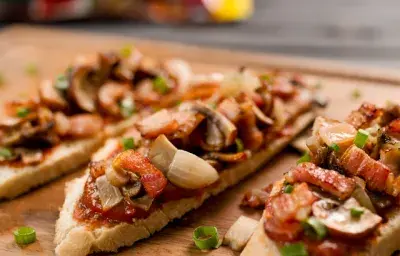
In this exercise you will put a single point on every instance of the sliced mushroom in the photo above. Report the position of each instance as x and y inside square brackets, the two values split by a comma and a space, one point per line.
[110, 95]
[109, 195]
[180, 71]
[132, 189]
[361, 195]
[81, 90]
[341, 134]
[124, 71]
[62, 123]
[227, 128]
[339, 221]
[228, 157]
[162, 153]
[106, 63]
[261, 116]
[143, 202]
[50, 96]
[214, 138]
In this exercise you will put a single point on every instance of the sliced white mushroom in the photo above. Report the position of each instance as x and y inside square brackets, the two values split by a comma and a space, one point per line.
[190, 171]
[109, 195]
[143, 202]
[81, 90]
[260, 115]
[50, 96]
[340, 222]
[240, 232]
[132, 189]
[361, 195]
[162, 153]
[341, 134]
[115, 177]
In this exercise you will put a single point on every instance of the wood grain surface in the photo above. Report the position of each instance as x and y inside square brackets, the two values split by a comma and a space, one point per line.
[52, 50]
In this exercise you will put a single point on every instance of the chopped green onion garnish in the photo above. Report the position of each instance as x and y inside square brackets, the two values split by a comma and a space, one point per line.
[61, 83]
[361, 138]
[31, 69]
[126, 51]
[5, 153]
[335, 147]
[267, 78]
[68, 70]
[206, 237]
[318, 85]
[179, 102]
[22, 111]
[315, 228]
[160, 85]
[127, 107]
[305, 158]
[356, 94]
[296, 249]
[288, 189]
[128, 143]
[356, 213]
[213, 105]
[25, 235]
[239, 145]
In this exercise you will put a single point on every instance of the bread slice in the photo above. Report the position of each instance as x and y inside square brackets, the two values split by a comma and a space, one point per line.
[75, 238]
[385, 243]
[64, 158]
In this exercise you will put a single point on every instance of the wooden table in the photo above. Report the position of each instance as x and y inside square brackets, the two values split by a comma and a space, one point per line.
[52, 50]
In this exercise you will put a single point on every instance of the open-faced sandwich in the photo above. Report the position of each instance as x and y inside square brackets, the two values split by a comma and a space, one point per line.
[223, 130]
[342, 198]
[57, 131]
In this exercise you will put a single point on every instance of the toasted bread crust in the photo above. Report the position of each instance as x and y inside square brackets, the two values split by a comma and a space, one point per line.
[64, 158]
[110, 239]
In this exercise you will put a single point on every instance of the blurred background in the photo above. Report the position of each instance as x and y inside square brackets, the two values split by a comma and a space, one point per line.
[357, 31]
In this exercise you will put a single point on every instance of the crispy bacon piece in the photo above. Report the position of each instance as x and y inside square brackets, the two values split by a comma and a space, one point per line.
[187, 122]
[152, 179]
[283, 88]
[363, 116]
[329, 180]
[230, 108]
[256, 198]
[358, 163]
[253, 138]
[84, 125]
[394, 128]
[282, 212]
[161, 122]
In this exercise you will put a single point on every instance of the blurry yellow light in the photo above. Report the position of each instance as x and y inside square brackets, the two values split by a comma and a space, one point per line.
[229, 10]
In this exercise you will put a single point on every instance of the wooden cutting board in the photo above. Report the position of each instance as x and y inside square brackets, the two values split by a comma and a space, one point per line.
[52, 50]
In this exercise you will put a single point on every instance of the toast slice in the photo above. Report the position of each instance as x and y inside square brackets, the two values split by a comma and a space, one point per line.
[77, 238]
[332, 203]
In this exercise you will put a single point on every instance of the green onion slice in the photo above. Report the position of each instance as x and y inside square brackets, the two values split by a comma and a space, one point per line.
[335, 147]
[267, 78]
[25, 235]
[5, 153]
[239, 145]
[361, 138]
[206, 237]
[61, 83]
[22, 111]
[126, 51]
[31, 69]
[127, 107]
[315, 228]
[160, 85]
[296, 249]
[356, 212]
[128, 143]
[356, 94]
[288, 189]
[305, 158]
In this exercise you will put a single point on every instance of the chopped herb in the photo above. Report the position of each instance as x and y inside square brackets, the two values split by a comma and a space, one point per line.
[267, 78]
[315, 228]
[160, 85]
[68, 70]
[288, 189]
[305, 158]
[61, 83]
[127, 107]
[318, 85]
[126, 51]
[296, 249]
[206, 237]
[361, 138]
[5, 153]
[213, 105]
[335, 147]
[356, 94]
[31, 69]
[22, 111]
[25, 235]
[179, 102]
[356, 212]
[128, 143]
[239, 145]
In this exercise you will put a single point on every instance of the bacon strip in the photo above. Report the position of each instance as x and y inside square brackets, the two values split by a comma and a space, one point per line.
[152, 179]
[329, 180]
[364, 115]
[358, 163]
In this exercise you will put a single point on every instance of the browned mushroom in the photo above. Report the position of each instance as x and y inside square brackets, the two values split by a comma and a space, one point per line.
[110, 95]
[180, 71]
[81, 90]
[62, 123]
[106, 63]
[50, 96]
[124, 71]
[226, 127]
[339, 220]
[228, 157]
